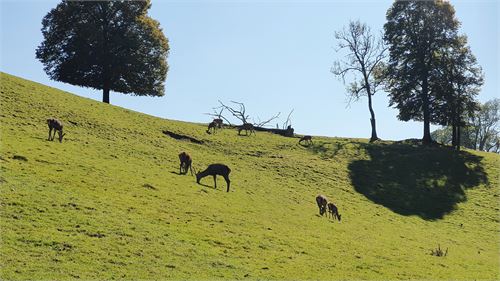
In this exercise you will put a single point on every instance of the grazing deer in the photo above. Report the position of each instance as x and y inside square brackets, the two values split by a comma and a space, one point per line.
[212, 126]
[214, 170]
[186, 162]
[57, 126]
[307, 139]
[322, 201]
[247, 127]
[219, 122]
[333, 210]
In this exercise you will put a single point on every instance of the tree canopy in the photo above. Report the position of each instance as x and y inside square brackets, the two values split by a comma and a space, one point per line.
[417, 32]
[108, 45]
[456, 85]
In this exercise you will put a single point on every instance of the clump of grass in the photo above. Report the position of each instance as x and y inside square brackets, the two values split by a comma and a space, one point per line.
[438, 252]
[149, 186]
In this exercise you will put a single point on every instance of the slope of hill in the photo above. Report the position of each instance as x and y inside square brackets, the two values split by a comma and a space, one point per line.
[108, 202]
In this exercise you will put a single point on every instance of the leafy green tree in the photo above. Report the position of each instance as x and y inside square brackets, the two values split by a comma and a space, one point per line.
[108, 45]
[481, 132]
[457, 82]
[364, 56]
[487, 124]
[417, 32]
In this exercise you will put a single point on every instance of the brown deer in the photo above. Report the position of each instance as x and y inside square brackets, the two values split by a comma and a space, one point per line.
[212, 126]
[219, 122]
[333, 210]
[322, 201]
[307, 139]
[57, 126]
[247, 127]
[214, 170]
[186, 162]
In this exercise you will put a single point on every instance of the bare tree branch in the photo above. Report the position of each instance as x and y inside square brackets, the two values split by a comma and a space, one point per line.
[288, 121]
[263, 123]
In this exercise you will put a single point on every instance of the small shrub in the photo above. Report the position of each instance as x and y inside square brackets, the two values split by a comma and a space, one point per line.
[438, 252]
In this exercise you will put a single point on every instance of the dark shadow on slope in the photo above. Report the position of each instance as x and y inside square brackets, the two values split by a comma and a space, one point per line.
[181, 137]
[411, 179]
[327, 150]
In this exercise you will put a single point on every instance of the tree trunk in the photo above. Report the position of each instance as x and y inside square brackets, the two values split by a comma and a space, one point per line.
[425, 107]
[372, 119]
[106, 81]
[370, 107]
[453, 135]
[105, 94]
[458, 138]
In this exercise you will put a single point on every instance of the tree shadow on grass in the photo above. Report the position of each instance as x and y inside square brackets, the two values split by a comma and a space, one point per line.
[326, 149]
[416, 180]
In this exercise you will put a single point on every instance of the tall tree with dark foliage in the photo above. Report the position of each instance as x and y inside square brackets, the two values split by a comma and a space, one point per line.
[105, 45]
[417, 32]
[457, 83]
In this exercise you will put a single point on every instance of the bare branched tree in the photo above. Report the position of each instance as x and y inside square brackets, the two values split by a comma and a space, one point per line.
[239, 112]
[364, 57]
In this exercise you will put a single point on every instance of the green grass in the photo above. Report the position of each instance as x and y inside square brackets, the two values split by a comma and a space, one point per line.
[108, 202]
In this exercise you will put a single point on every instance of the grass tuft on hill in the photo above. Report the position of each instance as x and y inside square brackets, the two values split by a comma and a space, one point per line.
[108, 202]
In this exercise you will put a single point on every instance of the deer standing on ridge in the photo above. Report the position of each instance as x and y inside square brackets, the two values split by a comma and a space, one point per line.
[247, 127]
[212, 126]
[307, 139]
[219, 122]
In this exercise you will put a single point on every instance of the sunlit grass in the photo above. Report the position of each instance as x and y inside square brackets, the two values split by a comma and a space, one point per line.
[108, 202]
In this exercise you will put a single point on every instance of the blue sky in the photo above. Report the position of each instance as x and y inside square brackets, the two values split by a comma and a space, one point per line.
[272, 55]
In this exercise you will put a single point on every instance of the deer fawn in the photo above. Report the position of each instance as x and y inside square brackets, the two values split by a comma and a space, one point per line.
[186, 162]
[307, 139]
[214, 170]
[57, 126]
[333, 210]
[247, 127]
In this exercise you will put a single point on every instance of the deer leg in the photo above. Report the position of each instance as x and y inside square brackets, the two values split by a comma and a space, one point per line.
[50, 131]
[215, 181]
[228, 182]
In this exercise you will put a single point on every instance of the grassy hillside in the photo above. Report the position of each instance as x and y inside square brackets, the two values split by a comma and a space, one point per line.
[108, 202]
